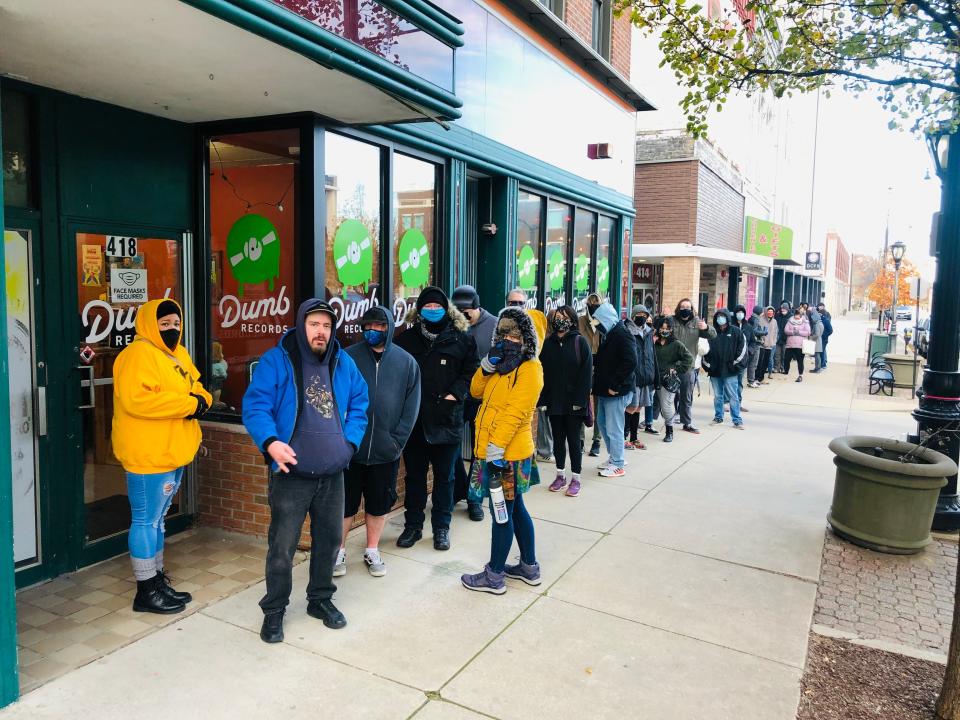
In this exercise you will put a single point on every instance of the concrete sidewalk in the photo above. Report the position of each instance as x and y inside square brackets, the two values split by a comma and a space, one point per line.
[683, 590]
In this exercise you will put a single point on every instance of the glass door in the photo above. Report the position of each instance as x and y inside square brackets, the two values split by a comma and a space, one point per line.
[115, 275]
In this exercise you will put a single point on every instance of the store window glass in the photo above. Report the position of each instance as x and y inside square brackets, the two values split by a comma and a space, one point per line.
[414, 231]
[605, 230]
[18, 157]
[353, 231]
[528, 244]
[584, 232]
[253, 247]
[558, 245]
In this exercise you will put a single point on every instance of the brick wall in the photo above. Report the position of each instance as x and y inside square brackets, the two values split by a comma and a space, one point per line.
[681, 279]
[620, 44]
[665, 195]
[719, 214]
[578, 16]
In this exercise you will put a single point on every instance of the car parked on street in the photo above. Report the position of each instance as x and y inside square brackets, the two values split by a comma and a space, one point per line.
[904, 312]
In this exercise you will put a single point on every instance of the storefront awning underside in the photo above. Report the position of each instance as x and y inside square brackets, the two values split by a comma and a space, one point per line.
[656, 252]
[166, 58]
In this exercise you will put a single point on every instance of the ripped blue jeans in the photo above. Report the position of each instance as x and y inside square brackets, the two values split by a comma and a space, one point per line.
[150, 497]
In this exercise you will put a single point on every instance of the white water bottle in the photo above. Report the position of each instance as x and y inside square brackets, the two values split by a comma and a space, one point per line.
[497, 500]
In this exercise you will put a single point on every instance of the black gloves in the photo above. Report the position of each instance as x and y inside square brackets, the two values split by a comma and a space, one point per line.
[202, 407]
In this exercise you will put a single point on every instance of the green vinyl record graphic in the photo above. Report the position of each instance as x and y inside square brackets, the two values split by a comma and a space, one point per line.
[581, 272]
[555, 270]
[603, 276]
[526, 268]
[414, 259]
[253, 251]
[353, 254]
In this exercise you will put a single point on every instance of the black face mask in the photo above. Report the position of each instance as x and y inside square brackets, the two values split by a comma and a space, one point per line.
[592, 309]
[170, 337]
[640, 320]
[685, 314]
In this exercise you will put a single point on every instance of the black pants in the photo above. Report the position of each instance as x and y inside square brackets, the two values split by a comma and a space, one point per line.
[763, 363]
[566, 433]
[291, 499]
[791, 354]
[633, 426]
[685, 397]
[418, 456]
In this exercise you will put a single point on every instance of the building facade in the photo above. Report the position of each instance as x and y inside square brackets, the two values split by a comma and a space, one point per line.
[837, 275]
[282, 150]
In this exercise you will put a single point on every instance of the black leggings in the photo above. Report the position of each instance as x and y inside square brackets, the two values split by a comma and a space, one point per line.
[790, 355]
[632, 426]
[566, 433]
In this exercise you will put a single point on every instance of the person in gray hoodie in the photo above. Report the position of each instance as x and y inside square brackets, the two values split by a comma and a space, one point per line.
[816, 334]
[393, 382]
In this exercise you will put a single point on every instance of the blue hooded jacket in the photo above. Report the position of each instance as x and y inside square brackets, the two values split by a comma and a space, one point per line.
[394, 387]
[273, 399]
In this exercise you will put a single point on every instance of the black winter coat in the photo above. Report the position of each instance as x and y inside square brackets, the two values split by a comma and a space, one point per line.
[646, 373]
[781, 325]
[446, 368]
[567, 374]
[615, 366]
[728, 351]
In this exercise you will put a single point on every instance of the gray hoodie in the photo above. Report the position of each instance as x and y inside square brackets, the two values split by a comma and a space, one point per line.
[482, 332]
[394, 386]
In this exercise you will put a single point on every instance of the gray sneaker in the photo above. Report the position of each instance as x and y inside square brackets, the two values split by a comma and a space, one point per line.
[340, 566]
[530, 574]
[375, 564]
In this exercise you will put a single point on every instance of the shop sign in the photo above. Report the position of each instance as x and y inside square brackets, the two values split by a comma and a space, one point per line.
[353, 254]
[92, 266]
[526, 268]
[762, 237]
[128, 285]
[253, 251]
[603, 277]
[101, 320]
[642, 273]
[350, 309]
[581, 272]
[813, 261]
[255, 317]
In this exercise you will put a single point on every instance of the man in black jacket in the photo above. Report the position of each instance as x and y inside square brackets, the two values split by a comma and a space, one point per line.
[447, 357]
[724, 364]
[614, 380]
[779, 364]
[742, 323]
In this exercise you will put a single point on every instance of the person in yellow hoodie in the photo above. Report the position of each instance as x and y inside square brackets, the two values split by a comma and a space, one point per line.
[509, 382]
[157, 400]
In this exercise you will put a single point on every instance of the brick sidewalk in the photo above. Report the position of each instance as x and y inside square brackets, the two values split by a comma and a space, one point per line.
[902, 599]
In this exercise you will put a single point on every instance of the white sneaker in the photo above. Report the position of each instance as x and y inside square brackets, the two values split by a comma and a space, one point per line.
[374, 564]
[612, 471]
[340, 566]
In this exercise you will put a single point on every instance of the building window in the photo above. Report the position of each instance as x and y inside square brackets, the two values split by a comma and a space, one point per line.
[605, 229]
[253, 247]
[529, 210]
[602, 25]
[557, 255]
[414, 235]
[554, 6]
[18, 156]
[584, 234]
[352, 187]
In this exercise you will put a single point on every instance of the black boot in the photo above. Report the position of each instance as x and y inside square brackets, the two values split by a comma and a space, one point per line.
[475, 511]
[441, 539]
[595, 448]
[151, 598]
[164, 581]
[325, 610]
[272, 629]
[409, 537]
[651, 430]
[669, 436]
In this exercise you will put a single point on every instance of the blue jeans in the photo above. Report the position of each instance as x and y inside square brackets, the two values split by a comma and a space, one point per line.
[648, 415]
[726, 390]
[610, 421]
[150, 496]
[518, 524]
[823, 362]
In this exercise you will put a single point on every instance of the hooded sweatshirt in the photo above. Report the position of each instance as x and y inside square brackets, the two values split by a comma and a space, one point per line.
[482, 332]
[782, 321]
[393, 383]
[152, 401]
[615, 365]
[728, 350]
[771, 338]
[589, 325]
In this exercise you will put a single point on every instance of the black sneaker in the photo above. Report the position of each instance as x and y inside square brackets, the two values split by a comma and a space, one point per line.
[650, 430]
[595, 449]
[475, 511]
[441, 539]
[409, 537]
[272, 629]
[326, 611]
[691, 429]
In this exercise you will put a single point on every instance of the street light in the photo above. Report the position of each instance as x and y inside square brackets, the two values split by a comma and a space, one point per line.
[897, 250]
[938, 415]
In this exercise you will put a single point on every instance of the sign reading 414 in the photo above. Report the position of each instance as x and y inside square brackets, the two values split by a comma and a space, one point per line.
[121, 246]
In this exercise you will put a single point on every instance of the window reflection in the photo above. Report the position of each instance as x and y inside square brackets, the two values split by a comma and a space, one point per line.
[414, 213]
[17, 151]
[528, 244]
[584, 233]
[605, 230]
[558, 243]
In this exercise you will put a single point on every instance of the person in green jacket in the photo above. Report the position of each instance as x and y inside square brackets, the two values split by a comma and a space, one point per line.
[673, 361]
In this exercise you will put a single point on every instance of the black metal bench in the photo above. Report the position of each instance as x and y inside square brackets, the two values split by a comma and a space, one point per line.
[881, 376]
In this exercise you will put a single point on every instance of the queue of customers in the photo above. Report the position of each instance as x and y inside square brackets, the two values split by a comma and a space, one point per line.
[333, 423]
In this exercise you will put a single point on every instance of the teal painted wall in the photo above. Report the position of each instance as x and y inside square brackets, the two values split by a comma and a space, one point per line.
[495, 254]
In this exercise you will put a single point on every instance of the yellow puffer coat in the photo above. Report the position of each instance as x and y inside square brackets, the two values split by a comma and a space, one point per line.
[505, 416]
[151, 401]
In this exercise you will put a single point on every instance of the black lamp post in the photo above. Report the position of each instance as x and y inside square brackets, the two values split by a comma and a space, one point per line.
[938, 415]
[897, 250]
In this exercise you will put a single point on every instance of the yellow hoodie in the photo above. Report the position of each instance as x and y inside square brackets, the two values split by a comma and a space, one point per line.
[151, 401]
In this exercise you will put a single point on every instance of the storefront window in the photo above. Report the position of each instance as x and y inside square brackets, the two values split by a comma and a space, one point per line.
[353, 230]
[17, 151]
[605, 231]
[528, 244]
[253, 248]
[584, 230]
[558, 244]
[414, 222]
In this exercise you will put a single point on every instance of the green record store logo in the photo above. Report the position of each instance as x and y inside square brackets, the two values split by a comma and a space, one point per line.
[526, 268]
[581, 272]
[253, 251]
[414, 258]
[555, 273]
[603, 276]
[353, 254]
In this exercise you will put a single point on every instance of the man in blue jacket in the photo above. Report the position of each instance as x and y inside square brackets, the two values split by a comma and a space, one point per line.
[306, 409]
[393, 379]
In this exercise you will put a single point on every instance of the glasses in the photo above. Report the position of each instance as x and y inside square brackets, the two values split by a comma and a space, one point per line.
[515, 303]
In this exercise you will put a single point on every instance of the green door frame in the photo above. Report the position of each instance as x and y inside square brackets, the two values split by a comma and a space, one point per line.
[9, 682]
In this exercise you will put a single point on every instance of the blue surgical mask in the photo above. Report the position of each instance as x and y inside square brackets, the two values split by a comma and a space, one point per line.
[740, 316]
[374, 338]
[721, 320]
[433, 315]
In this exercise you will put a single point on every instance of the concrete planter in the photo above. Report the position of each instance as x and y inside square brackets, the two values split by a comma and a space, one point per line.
[902, 366]
[885, 492]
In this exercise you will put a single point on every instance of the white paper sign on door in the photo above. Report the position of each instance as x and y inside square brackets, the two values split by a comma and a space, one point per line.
[128, 285]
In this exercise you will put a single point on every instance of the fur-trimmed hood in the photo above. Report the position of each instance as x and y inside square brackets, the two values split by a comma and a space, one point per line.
[530, 344]
[458, 319]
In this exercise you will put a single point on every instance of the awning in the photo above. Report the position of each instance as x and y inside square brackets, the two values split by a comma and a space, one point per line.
[172, 59]
[656, 252]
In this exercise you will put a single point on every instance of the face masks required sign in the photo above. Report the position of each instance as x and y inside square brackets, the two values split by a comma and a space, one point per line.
[128, 285]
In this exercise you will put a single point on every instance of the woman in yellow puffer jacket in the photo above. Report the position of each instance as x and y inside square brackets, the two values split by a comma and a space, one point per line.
[157, 399]
[509, 382]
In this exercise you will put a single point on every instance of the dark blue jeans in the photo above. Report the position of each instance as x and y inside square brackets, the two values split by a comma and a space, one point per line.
[518, 524]
[291, 499]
